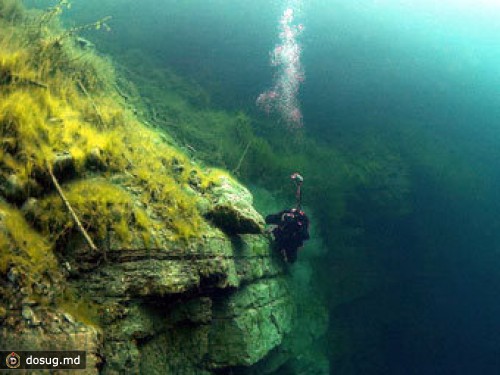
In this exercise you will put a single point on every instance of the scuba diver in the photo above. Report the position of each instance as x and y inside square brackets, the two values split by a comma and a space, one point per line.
[290, 227]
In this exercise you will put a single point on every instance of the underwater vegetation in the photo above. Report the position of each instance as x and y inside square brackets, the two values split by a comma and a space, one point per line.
[63, 117]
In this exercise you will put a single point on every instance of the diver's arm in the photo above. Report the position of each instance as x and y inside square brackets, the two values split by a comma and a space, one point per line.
[274, 218]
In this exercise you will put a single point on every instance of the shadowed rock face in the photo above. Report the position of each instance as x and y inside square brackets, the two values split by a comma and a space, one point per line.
[225, 305]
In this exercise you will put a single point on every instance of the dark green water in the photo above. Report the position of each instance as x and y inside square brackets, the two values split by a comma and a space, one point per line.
[412, 272]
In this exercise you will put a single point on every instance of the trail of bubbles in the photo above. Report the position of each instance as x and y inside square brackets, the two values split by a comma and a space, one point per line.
[282, 98]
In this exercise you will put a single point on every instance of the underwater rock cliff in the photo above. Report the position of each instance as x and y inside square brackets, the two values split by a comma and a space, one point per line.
[111, 239]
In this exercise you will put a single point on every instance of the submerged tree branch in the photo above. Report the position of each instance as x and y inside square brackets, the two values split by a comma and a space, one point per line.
[71, 211]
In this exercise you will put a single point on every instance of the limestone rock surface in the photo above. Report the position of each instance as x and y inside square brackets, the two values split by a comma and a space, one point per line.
[233, 211]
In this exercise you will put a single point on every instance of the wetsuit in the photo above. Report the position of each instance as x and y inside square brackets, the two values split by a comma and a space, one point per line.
[291, 231]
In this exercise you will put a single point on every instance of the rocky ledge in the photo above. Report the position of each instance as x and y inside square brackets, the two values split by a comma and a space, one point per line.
[205, 306]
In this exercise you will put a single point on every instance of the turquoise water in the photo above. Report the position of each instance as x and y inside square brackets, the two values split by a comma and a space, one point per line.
[412, 268]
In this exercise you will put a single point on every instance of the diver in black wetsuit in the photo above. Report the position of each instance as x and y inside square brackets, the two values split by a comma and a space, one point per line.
[291, 226]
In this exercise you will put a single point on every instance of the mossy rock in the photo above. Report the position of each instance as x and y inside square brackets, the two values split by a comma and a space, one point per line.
[232, 208]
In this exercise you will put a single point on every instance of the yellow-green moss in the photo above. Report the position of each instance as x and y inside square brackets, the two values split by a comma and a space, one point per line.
[214, 177]
[100, 205]
[64, 101]
[21, 246]
[80, 307]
